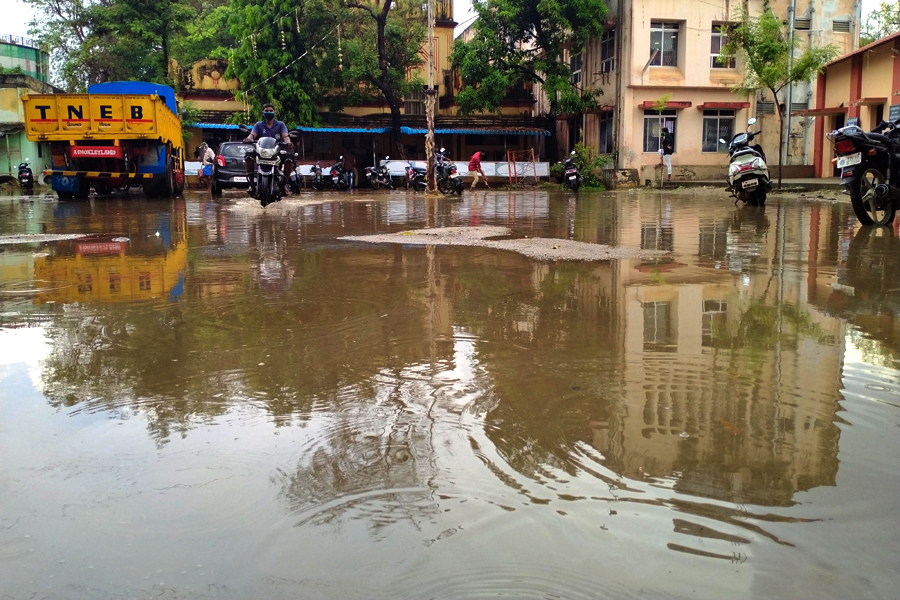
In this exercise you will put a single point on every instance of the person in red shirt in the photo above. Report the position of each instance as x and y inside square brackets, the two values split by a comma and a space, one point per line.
[475, 169]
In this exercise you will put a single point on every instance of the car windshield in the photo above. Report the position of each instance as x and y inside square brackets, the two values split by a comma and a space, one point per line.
[236, 150]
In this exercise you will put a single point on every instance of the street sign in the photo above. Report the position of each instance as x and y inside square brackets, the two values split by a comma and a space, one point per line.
[894, 112]
[852, 121]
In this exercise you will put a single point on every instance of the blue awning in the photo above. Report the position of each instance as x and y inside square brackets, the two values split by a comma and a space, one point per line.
[344, 129]
[215, 126]
[481, 131]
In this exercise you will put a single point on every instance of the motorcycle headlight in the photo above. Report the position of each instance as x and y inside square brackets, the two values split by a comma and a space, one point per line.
[267, 153]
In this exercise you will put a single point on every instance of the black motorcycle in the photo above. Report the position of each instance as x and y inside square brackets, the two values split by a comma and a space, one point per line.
[870, 167]
[268, 155]
[448, 180]
[338, 175]
[415, 177]
[571, 178]
[380, 176]
[26, 176]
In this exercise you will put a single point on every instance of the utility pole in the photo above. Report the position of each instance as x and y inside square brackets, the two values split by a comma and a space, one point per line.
[430, 97]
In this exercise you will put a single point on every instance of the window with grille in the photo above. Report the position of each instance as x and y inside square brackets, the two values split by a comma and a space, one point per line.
[715, 321]
[717, 124]
[414, 103]
[718, 39]
[654, 122]
[664, 44]
[802, 24]
[608, 51]
[575, 64]
[840, 26]
[606, 132]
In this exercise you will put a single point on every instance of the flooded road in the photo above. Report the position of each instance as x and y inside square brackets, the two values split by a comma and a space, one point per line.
[211, 400]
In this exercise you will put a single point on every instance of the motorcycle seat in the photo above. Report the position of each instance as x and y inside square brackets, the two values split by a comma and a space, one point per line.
[878, 138]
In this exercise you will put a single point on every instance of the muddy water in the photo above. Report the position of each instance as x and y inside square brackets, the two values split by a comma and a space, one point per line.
[211, 400]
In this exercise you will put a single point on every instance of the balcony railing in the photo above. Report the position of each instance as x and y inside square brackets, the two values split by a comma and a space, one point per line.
[17, 40]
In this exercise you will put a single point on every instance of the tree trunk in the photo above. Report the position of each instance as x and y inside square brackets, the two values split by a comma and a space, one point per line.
[395, 127]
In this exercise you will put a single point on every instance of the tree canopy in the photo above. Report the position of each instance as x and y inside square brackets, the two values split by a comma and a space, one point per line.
[881, 22]
[524, 41]
[769, 59]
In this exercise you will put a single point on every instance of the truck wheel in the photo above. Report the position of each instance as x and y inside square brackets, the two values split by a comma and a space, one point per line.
[169, 182]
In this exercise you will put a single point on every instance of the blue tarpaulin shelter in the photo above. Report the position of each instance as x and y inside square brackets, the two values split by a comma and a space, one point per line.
[480, 131]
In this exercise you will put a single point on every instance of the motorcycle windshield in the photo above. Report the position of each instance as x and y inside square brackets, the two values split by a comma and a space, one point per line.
[267, 143]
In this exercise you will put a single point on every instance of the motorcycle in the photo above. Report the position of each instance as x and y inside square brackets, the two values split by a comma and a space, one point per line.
[869, 164]
[572, 178]
[338, 180]
[379, 176]
[415, 177]
[448, 180]
[26, 176]
[268, 155]
[748, 174]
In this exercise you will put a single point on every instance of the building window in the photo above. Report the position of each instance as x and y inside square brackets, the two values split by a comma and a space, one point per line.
[664, 44]
[653, 125]
[414, 103]
[656, 236]
[840, 26]
[606, 132]
[803, 24]
[717, 124]
[575, 64]
[717, 42]
[658, 330]
[608, 51]
[715, 321]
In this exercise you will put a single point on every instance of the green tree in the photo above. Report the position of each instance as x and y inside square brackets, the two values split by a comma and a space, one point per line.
[287, 54]
[519, 42]
[880, 23]
[205, 36]
[768, 60]
[385, 46]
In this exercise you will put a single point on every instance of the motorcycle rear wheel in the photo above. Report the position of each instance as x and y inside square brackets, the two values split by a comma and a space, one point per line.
[316, 185]
[375, 184]
[869, 209]
[444, 186]
[419, 184]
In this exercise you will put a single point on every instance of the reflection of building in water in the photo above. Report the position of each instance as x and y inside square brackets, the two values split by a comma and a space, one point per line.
[730, 377]
[148, 263]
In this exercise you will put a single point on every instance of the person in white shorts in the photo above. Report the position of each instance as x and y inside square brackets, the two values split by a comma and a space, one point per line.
[666, 150]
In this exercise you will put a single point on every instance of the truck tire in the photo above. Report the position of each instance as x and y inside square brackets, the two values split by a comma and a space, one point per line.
[169, 181]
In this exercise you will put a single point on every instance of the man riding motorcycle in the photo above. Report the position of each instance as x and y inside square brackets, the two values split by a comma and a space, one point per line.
[269, 127]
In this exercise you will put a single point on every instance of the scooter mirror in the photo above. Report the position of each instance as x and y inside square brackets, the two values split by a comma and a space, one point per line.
[341, 157]
[27, 160]
[572, 153]
[442, 150]
[721, 141]
[751, 121]
[387, 158]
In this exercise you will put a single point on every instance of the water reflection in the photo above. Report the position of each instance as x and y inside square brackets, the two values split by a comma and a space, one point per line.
[708, 383]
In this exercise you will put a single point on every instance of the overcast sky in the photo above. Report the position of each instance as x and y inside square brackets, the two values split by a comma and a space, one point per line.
[19, 14]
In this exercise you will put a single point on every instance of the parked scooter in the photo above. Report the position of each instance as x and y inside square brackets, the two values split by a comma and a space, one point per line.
[448, 180]
[748, 174]
[572, 178]
[380, 176]
[26, 176]
[870, 169]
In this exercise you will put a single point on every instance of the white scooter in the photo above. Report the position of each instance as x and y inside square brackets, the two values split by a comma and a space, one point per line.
[748, 174]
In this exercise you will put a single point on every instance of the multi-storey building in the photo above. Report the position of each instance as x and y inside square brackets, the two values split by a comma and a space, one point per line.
[656, 51]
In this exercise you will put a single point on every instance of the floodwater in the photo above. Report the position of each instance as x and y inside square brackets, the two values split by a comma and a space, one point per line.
[211, 400]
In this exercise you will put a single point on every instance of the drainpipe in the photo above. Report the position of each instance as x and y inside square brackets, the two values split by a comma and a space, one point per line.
[792, 9]
[617, 132]
[809, 91]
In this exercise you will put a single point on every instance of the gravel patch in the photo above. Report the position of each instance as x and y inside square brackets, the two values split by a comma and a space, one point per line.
[542, 249]
[37, 238]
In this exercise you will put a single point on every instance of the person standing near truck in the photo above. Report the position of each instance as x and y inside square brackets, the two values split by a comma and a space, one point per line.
[269, 127]
[475, 168]
[207, 158]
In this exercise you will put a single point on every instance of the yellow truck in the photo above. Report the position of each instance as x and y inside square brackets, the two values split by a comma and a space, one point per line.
[117, 135]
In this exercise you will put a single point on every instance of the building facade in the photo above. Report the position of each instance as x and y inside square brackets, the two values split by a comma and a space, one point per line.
[658, 65]
[863, 85]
